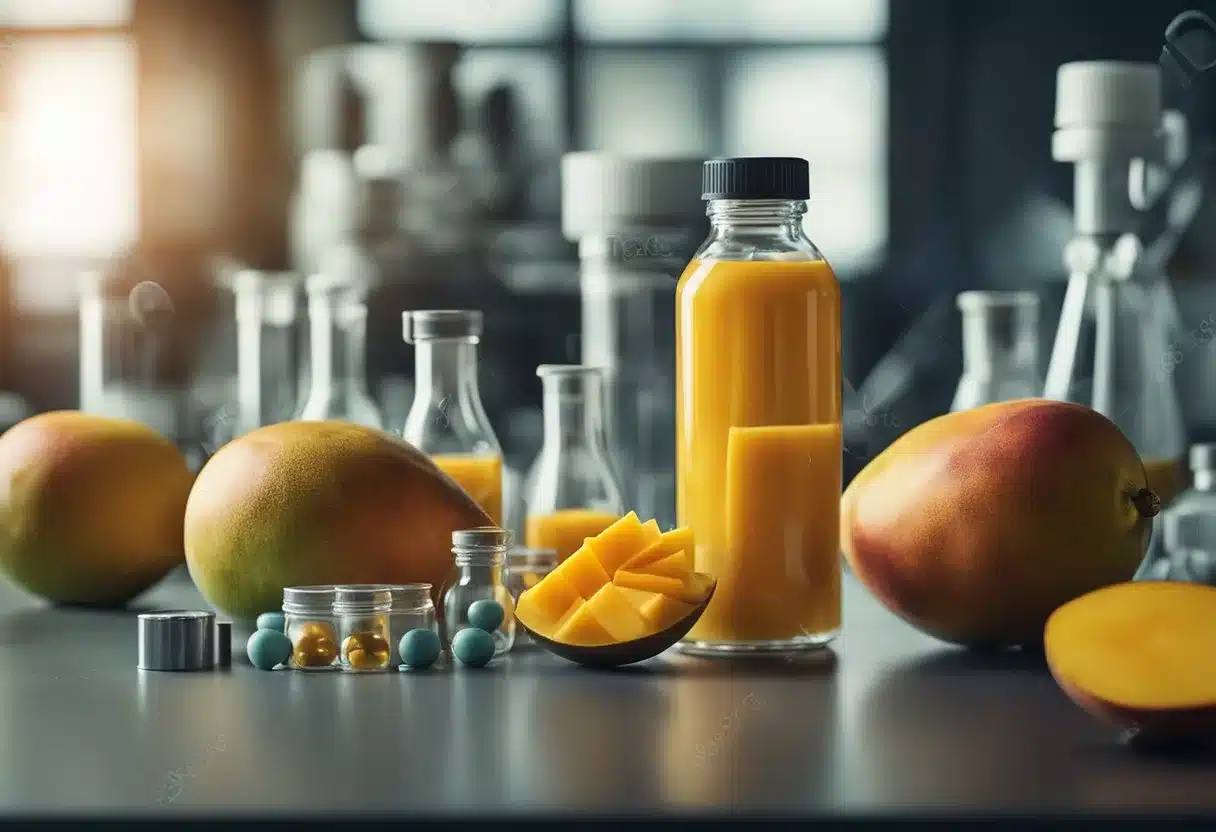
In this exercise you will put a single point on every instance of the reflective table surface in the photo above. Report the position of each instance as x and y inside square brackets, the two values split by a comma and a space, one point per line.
[890, 721]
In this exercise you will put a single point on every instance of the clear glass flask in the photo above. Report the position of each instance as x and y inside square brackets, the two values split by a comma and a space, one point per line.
[1116, 333]
[267, 310]
[337, 327]
[758, 414]
[1189, 525]
[1000, 348]
[637, 221]
[446, 420]
[479, 574]
[572, 489]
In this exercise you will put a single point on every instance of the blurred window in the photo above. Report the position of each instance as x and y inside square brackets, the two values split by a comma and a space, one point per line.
[64, 13]
[67, 146]
[474, 21]
[798, 21]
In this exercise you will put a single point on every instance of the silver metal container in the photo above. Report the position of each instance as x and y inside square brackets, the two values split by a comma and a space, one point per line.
[180, 640]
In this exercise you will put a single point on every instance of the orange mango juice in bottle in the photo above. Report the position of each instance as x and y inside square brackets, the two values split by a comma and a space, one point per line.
[564, 530]
[758, 414]
[447, 420]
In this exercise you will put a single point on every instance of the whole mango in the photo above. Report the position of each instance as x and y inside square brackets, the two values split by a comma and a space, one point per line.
[975, 526]
[305, 503]
[91, 507]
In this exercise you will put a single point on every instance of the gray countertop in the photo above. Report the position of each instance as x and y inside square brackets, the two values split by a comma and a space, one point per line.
[890, 721]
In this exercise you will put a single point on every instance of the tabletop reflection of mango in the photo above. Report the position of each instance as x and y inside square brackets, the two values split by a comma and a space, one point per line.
[629, 582]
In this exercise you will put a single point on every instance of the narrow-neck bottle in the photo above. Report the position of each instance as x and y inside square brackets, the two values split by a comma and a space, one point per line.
[447, 420]
[573, 490]
[337, 319]
[758, 414]
[266, 307]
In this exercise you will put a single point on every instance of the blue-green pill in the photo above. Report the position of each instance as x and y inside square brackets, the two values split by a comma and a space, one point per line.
[267, 649]
[419, 648]
[473, 647]
[486, 614]
[271, 621]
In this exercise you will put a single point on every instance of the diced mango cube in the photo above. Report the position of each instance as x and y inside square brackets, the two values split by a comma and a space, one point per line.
[663, 612]
[542, 606]
[582, 570]
[574, 608]
[637, 597]
[694, 589]
[583, 629]
[668, 543]
[673, 566]
[624, 539]
[622, 620]
[659, 584]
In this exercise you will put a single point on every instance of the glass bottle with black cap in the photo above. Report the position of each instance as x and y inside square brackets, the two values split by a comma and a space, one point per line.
[758, 403]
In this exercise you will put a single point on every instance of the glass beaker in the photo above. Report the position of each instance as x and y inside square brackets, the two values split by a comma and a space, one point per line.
[1000, 348]
[447, 421]
[572, 490]
[337, 320]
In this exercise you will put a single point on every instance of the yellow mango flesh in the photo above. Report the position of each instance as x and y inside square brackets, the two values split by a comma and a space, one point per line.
[675, 566]
[590, 600]
[676, 540]
[663, 612]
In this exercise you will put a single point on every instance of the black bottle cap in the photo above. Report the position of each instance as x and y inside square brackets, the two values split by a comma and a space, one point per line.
[759, 177]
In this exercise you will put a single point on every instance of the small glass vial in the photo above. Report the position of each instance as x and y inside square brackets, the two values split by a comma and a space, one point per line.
[573, 491]
[480, 573]
[363, 624]
[525, 569]
[446, 420]
[309, 621]
[412, 609]
[337, 328]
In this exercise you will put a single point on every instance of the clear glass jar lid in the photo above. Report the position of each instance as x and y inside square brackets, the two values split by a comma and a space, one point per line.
[483, 537]
[362, 598]
[411, 596]
[308, 600]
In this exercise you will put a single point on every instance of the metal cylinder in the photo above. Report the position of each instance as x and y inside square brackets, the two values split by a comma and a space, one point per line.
[179, 640]
[223, 644]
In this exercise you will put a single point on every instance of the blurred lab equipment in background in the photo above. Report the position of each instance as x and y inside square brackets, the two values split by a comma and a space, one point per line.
[636, 222]
[1000, 348]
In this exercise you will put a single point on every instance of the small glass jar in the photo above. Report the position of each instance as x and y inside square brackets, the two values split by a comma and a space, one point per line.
[412, 609]
[363, 621]
[525, 569]
[481, 557]
[308, 620]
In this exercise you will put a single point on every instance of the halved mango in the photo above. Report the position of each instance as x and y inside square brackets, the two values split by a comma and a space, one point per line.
[694, 590]
[615, 613]
[668, 543]
[662, 611]
[659, 584]
[583, 629]
[582, 570]
[543, 606]
[675, 566]
[622, 540]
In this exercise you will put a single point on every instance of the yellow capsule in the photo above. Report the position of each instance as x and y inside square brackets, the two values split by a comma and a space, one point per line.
[314, 648]
[366, 651]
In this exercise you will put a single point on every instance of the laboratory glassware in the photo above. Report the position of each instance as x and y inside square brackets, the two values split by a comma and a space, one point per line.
[759, 414]
[1189, 525]
[337, 319]
[572, 489]
[1000, 348]
[446, 420]
[637, 221]
[479, 574]
[1115, 337]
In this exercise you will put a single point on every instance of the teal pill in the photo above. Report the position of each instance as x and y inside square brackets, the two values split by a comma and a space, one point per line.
[486, 614]
[267, 649]
[419, 648]
[271, 621]
[473, 647]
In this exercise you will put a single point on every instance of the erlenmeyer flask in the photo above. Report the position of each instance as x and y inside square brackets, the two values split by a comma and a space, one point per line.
[1000, 348]
[1115, 338]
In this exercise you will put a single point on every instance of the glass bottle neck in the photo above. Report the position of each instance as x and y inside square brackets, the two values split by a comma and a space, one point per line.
[446, 369]
[757, 229]
[574, 414]
[1203, 479]
[483, 566]
[753, 214]
[337, 336]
